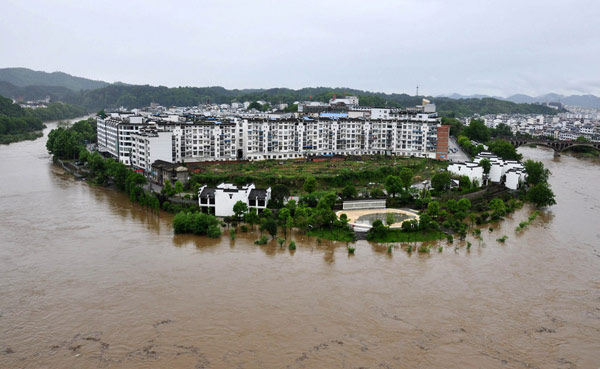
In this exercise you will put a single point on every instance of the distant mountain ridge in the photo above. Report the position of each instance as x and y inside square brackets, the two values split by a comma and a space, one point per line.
[23, 77]
[26, 84]
[584, 101]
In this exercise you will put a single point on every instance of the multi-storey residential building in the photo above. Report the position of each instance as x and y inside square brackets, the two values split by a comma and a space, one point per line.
[150, 145]
[139, 141]
[115, 135]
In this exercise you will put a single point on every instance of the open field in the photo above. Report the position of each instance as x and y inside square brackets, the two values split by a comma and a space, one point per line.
[331, 174]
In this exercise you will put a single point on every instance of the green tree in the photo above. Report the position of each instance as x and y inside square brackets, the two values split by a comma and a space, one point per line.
[269, 225]
[178, 187]
[240, 209]
[504, 149]
[349, 192]
[477, 130]
[464, 182]
[486, 164]
[168, 189]
[498, 206]
[502, 130]
[327, 201]
[390, 219]
[456, 125]
[433, 208]
[464, 204]
[440, 181]
[536, 172]
[255, 105]
[301, 218]
[541, 195]
[251, 217]
[406, 177]
[393, 185]
[425, 221]
[310, 184]
[289, 224]
[279, 193]
[377, 193]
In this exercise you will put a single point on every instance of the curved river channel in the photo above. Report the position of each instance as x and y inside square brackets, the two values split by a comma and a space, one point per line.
[90, 280]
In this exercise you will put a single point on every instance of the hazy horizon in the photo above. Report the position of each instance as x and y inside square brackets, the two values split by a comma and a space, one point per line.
[496, 49]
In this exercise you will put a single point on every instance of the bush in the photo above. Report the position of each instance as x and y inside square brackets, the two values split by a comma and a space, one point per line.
[262, 240]
[197, 223]
[232, 234]
[214, 231]
[502, 239]
[292, 245]
[423, 249]
[244, 228]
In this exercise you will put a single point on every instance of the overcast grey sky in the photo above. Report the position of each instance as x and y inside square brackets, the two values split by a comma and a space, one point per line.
[493, 47]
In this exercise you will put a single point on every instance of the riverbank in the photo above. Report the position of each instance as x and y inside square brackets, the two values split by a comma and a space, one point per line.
[28, 136]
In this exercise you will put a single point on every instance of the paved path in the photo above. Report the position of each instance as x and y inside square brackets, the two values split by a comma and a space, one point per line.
[459, 155]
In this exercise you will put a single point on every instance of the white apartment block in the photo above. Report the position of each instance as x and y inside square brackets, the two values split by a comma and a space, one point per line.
[138, 141]
[115, 135]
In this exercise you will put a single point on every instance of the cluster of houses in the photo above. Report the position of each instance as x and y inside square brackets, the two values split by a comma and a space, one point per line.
[563, 126]
[511, 173]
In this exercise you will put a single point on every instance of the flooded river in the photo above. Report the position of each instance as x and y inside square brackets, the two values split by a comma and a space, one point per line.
[90, 280]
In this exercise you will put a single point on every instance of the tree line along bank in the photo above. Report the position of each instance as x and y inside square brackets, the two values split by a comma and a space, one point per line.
[314, 212]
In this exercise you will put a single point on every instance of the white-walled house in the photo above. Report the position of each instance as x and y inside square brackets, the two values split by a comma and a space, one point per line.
[220, 200]
[471, 170]
[510, 172]
[514, 178]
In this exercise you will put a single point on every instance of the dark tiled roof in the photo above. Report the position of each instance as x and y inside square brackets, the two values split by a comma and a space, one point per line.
[161, 164]
[258, 194]
[208, 192]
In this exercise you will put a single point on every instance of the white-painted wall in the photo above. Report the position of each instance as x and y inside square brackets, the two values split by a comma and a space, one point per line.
[471, 170]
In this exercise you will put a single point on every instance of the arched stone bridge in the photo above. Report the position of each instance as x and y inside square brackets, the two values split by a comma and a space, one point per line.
[557, 146]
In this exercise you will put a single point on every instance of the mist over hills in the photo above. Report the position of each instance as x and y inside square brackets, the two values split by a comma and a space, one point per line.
[27, 84]
[22, 77]
[584, 101]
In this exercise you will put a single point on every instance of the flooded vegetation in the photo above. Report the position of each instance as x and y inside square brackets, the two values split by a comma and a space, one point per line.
[90, 279]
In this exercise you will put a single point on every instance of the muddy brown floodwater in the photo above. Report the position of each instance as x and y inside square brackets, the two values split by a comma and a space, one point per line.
[89, 280]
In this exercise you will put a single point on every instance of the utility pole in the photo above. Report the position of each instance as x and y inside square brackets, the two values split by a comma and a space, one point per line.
[417, 90]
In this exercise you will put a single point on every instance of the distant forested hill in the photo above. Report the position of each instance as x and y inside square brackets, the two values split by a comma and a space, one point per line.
[28, 93]
[22, 77]
[25, 84]
[136, 96]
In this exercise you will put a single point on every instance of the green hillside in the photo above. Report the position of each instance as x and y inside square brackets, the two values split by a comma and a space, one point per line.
[136, 96]
[22, 77]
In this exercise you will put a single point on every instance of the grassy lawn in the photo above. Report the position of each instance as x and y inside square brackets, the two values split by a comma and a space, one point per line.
[334, 234]
[396, 235]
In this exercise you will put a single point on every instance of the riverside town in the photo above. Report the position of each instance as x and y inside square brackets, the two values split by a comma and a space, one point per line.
[300, 184]
[338, 171]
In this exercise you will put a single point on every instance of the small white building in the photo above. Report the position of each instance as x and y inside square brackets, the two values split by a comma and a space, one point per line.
[471, 170]
[514, 178]
[511, 172]
[219, 200]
